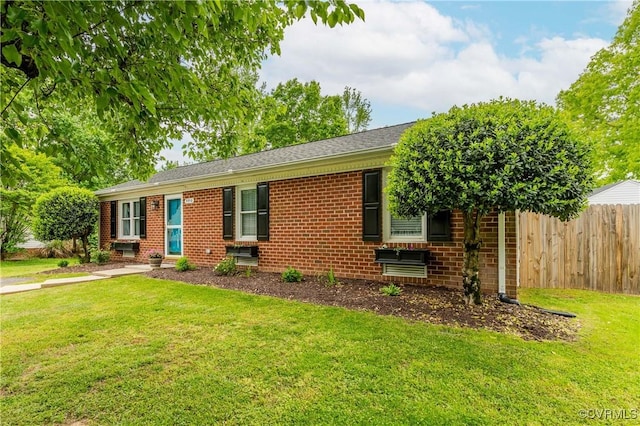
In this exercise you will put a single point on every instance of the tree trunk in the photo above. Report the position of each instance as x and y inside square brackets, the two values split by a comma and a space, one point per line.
[471, 265]
[85, 247]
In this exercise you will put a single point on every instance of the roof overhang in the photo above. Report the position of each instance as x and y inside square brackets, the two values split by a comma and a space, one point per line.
[339, 163]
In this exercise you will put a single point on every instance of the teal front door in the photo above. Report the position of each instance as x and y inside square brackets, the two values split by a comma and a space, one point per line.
[174, 226]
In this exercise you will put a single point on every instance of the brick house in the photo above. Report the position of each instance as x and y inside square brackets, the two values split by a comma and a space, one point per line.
[314, 206]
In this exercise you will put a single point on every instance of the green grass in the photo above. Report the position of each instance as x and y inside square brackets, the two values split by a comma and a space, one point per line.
[135, 350]
[14, 268]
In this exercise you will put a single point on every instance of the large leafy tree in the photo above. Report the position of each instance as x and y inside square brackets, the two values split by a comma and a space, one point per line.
[35, 174]
[503, 155]
[80, 146]
[152, 70]
[66, 213]
[295, 112]
[604, 103]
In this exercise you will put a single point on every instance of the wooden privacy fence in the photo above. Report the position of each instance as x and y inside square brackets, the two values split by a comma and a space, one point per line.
[600, 250]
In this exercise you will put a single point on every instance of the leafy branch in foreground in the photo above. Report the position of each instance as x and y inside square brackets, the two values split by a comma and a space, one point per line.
[150, 70]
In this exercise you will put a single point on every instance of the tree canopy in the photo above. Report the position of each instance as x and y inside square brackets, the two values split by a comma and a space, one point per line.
[79, 145]
[293, 113]
[35, 174]
[66, 213]
[503, 155]
[150, 70]
[357, 110]
[604, 103]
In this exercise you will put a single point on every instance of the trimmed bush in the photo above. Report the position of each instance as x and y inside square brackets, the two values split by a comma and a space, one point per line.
[66, 213]
[63, 263]
[291, 275]
[183, 264]
[227, 266]
[100, 256]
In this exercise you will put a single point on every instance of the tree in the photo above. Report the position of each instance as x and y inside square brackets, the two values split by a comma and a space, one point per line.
[66, 213]
[604, 103]
[503, 155]
[35, 175]
[357, 110]
[151, 70]
[295, 112]
[80, 147]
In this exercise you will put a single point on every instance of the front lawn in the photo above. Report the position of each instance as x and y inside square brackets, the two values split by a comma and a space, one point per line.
[137, 350]
[14, 268]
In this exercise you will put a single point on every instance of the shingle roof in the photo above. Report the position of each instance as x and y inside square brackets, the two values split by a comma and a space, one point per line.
[341, 145]
[604, 188]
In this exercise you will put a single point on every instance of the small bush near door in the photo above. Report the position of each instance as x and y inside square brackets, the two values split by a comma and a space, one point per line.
[183, 264]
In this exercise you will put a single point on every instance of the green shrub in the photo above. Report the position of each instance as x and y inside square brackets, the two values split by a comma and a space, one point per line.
[227, 266]
[65, 213]
[247, 272]
[56, 248]
[100, 256]
[183, 264]
[391, 290]
[291, 275]
[331, 278]
[63, 263]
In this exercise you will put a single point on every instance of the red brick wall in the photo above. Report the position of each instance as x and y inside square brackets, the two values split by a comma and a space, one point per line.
[202, 226]
[315, 224]
[155, 229]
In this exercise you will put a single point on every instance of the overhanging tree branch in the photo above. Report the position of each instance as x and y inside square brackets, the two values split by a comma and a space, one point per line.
[15, 95]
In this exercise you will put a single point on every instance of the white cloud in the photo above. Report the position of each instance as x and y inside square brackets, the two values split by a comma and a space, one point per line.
[409, 54]
[618, 10]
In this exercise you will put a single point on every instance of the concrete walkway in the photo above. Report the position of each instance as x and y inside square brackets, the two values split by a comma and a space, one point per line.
[95, 276]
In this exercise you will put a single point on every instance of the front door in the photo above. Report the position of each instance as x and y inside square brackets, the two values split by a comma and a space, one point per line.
[173, 211]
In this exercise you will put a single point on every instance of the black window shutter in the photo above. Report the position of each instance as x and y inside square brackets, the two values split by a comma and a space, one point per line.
[227, 213]
[439, 226]
[263, 211]
[113, 222]
[143, 217]
[371, 205]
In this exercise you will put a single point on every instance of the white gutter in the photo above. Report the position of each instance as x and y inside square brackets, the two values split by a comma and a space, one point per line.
[517, 214]
[228, 172]
[502, 267]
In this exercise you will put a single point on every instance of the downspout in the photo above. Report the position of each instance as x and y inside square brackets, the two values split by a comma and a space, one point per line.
[502, 262]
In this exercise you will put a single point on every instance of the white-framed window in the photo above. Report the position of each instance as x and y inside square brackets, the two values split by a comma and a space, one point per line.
[398, 229]
[129, 219]
[411, 229]
[247, 216]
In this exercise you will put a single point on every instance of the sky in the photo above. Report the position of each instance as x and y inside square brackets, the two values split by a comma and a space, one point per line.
[413, 58]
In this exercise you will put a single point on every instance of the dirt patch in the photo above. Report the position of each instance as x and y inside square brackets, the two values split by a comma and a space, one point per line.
[418, 303]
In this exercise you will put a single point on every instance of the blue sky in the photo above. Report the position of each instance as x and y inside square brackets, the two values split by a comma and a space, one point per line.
[412, 58]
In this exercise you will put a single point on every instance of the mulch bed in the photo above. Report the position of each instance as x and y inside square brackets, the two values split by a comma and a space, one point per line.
[435, 305]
